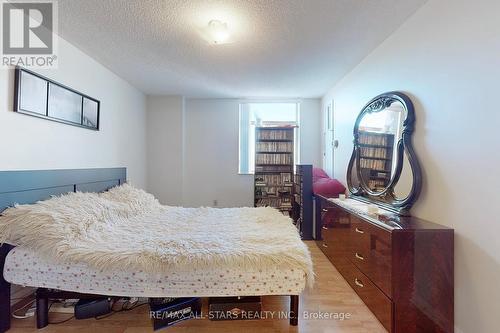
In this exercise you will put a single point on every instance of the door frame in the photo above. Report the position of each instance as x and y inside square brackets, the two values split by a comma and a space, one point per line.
[329, 138]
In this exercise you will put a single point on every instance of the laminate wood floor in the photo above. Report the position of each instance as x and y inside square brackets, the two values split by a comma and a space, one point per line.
[331, 294]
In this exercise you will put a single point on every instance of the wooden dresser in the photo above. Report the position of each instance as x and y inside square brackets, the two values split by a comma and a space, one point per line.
[403, 272]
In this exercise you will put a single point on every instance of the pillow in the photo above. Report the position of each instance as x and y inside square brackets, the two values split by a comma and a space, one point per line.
[319, 174]
[75, 212]
[328, 187]
[135, 199]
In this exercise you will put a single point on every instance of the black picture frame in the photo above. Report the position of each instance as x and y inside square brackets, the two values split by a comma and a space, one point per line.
[62, 103]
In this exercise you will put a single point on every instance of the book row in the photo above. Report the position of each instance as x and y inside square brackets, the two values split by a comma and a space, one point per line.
[274, 202]
[274, 147]
[274, 159]
[373, 152]
[371, 139]
[273, 180]
[372, 164]
[273, 191]
[274, 135]
[376, 184]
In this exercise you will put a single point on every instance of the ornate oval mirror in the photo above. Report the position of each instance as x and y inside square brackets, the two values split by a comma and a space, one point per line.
[383, 168]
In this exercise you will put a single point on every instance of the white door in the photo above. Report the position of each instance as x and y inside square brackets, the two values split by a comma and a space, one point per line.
[328, 139]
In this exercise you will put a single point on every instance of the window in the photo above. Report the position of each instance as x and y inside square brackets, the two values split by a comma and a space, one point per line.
[264, 114]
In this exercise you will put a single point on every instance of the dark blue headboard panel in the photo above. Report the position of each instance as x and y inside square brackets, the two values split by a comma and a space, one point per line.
[24, 187]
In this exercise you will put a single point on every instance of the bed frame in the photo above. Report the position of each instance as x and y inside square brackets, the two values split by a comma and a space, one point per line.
[25, 187]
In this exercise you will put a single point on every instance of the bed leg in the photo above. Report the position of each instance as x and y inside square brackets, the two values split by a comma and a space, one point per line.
[294, 310]
[4, 292]
[42, 308]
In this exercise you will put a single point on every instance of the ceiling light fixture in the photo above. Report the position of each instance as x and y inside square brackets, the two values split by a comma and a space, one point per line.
[219, 32]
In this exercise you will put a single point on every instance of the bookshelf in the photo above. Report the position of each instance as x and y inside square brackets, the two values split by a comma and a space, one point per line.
[303, 203]
[376, 151]
[274, 160]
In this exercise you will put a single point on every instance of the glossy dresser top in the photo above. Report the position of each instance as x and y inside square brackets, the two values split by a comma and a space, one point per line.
[383, 218]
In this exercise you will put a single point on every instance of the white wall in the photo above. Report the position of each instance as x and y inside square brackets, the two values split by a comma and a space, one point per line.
[211, 169]
[446, 57]
[310, 132]
[165, 152]
[210, 150]
[31, 143]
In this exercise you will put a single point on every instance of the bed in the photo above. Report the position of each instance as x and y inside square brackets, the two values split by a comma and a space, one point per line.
[55, 278]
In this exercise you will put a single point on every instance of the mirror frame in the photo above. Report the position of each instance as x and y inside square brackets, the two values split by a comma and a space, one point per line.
[387, 198]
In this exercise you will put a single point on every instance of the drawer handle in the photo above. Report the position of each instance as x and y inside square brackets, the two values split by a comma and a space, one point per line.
[324, 228]
[359, 256]
[324, 245]
[358, 283]
[359, 231]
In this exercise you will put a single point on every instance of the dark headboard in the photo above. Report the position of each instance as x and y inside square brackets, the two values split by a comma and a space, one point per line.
[24, 187]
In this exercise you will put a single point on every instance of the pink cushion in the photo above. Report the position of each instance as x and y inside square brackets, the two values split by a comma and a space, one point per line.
[319, 174]
[327, 187]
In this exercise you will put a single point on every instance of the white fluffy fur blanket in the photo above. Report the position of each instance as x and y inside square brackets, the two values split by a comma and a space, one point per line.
[126, 227]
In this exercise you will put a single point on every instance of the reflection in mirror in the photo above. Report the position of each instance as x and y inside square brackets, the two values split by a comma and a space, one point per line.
[379, 134]
[403, 188]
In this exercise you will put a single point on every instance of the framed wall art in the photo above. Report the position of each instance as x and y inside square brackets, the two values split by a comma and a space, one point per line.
[38, 96]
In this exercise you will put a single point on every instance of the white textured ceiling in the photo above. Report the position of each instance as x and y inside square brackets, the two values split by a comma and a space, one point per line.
[281, 48]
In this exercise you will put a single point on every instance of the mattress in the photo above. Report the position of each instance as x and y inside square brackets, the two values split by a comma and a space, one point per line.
[24, 267]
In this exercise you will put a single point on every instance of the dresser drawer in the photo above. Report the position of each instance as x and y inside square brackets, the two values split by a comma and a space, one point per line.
[374, 298]
[335, 234]
[371, 252]
[323, 246]
[327, 232]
